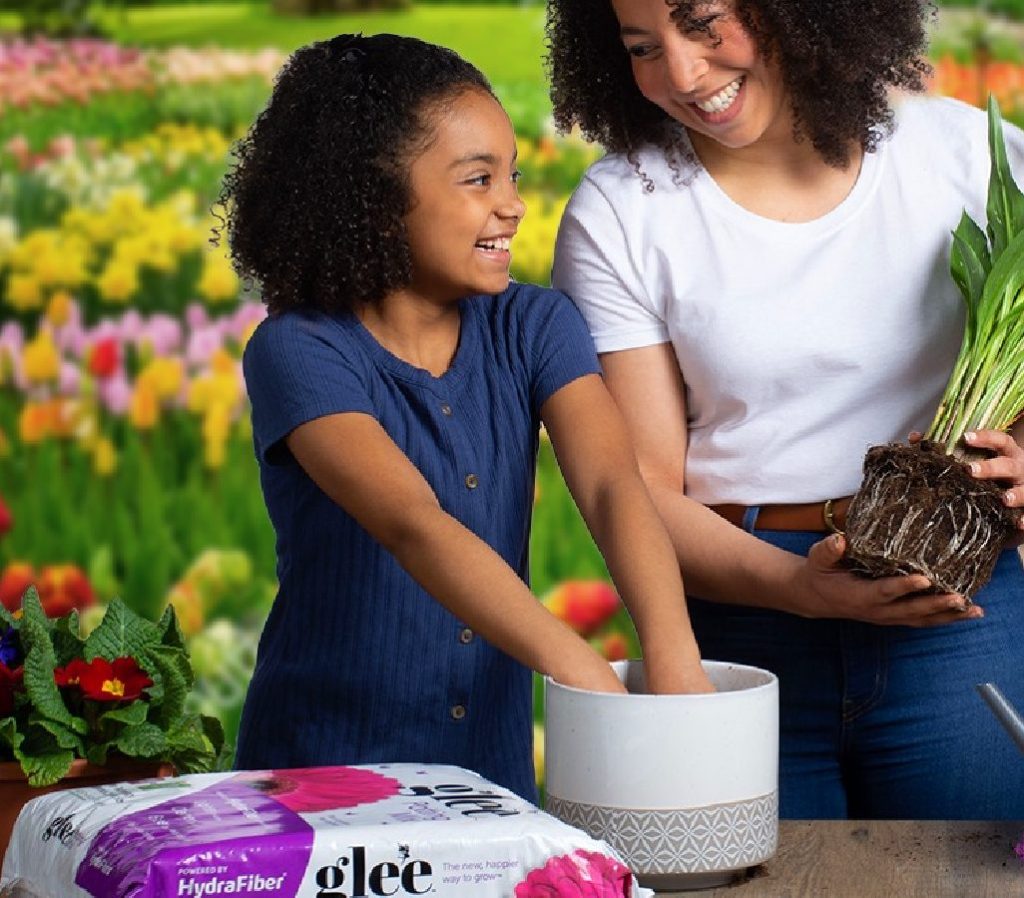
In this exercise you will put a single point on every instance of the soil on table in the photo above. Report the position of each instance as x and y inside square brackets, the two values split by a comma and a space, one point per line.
[919, 511]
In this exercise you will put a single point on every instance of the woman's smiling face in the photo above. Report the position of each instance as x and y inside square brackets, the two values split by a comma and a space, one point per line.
[716, 84]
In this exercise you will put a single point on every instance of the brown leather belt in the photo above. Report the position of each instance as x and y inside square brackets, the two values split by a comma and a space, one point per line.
[827, 516]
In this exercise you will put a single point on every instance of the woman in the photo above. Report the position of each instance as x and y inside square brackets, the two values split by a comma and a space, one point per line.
[762, 261]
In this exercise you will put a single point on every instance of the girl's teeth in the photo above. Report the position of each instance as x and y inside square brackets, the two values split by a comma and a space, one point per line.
[722, 100]
[501, 243]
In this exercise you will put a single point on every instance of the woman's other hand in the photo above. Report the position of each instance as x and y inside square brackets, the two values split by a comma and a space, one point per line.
[1007, 466]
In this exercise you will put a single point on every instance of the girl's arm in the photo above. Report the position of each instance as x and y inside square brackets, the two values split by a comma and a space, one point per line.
[376, 484]
[723, 562]
[597, 460]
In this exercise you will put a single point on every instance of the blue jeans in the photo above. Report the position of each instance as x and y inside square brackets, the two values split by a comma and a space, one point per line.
[885, 722]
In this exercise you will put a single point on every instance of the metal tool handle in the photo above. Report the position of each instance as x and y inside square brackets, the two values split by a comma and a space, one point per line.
[1005, 713]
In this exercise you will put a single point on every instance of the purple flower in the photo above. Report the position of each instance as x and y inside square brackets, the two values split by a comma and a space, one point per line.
[9, 650]
[1018, 849]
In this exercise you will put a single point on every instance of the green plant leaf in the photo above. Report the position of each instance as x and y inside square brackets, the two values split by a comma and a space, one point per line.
[172, 675]
[47, 769]
[1005, 200]
[6, 618]
[170, 631]
[122, 633]
[142, 741]
[63, 735]
[97, 753]
[40, 660]
[10, 736]
[67, 644]
[132, 714]
[969, 261]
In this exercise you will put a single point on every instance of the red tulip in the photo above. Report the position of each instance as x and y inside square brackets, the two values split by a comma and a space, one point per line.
[120, 681]
[104, 357]
[16, 578]
[583, 604]
[6, 519]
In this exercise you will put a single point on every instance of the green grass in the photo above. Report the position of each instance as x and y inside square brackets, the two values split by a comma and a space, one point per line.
[475, 31]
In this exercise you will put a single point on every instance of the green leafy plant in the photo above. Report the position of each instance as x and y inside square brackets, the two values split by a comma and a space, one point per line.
[986, 389]
[119, 692]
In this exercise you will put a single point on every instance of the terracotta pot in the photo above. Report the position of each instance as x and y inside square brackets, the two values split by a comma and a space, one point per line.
[15, 790]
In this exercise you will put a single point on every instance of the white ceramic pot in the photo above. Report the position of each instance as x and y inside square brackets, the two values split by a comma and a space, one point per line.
[685, 787]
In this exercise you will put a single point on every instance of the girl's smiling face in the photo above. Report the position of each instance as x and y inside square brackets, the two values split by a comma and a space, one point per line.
[465, 203]
[718, 84]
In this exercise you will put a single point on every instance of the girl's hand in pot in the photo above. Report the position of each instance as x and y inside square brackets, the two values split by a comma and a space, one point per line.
[675, 676]
[1007, 466]
[596, 675]
[838, 593]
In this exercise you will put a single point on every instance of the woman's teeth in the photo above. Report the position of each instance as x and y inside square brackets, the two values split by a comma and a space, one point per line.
[497, 243]
[723, 99]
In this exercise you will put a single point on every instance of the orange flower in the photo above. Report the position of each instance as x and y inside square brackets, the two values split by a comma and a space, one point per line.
[64, 588]
[614, 647]
[16, 578]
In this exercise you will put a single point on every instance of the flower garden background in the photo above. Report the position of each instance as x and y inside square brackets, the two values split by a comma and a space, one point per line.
[126, 465]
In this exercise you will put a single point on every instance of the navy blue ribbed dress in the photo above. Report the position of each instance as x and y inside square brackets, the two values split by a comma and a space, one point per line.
[357, 663]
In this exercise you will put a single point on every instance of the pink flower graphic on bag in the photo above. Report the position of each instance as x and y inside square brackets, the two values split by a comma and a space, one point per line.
[582, 874]
[309, 790]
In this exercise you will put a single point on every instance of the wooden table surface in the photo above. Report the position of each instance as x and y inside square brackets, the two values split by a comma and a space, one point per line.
[885, 859]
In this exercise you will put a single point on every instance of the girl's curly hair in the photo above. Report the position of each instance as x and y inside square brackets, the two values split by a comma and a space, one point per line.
[315, 201]
[837, 58]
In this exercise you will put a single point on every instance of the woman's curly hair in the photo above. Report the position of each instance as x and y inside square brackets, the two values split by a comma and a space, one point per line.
[837, 58]
[315, 201]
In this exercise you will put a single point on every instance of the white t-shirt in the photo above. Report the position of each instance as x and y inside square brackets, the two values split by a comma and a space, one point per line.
[801, 345]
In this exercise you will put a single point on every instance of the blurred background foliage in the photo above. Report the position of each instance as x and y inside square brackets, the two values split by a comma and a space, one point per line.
[126, 465]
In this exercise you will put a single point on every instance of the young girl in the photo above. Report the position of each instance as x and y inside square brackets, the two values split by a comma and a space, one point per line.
[397, 391]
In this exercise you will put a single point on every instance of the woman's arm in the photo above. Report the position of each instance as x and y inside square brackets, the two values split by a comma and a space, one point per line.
[724, 563]
[376, 484]
[597, 460]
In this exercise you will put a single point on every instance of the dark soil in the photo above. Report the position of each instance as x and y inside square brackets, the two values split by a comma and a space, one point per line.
[919, 511]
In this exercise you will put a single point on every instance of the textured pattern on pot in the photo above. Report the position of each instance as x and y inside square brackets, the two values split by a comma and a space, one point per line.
[702, 840]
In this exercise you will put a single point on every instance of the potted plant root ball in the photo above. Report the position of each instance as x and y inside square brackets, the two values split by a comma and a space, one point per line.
[918, 509]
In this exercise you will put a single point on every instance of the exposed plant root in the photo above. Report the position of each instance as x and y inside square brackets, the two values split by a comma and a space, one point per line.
[919, 511]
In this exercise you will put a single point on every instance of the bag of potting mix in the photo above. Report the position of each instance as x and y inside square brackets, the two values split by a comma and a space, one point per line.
[324, 832]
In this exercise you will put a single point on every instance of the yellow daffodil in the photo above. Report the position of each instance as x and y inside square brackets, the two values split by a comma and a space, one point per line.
[58, 309]
[104, 457]
[24, 293]
[165, 376]
[118, 282]
[218, 281]
[40, 359]
[214, 453]
[144, 408]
